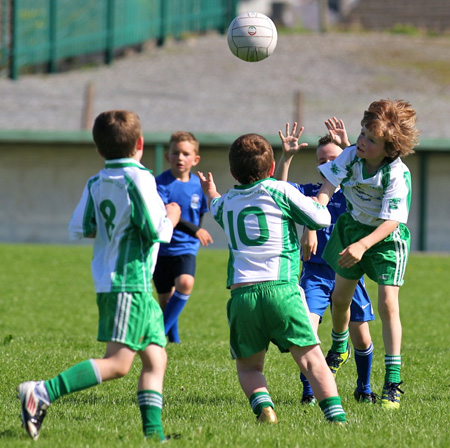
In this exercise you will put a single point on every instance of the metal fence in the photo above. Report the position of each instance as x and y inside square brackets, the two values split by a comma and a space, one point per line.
[36, 32]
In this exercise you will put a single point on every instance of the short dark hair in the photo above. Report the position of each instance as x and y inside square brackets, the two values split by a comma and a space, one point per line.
[325, 140]
[250, 157]
[116, 132]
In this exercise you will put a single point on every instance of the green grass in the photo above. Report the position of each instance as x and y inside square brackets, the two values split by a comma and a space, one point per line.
[49, 320]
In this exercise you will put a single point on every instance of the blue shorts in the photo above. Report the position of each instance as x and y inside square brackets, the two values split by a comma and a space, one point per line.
[167, 269]
[317, 280]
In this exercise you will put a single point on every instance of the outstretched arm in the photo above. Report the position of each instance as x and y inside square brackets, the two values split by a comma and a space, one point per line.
[326, 191]
[336, 129]
[290, 147]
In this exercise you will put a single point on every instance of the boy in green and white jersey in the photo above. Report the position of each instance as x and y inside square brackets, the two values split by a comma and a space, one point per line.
[121, 209]
[267, 304]
[372, 238]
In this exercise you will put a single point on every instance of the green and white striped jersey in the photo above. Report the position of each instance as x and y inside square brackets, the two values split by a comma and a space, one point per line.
[121, 207]
[259, 221]
[386, 195]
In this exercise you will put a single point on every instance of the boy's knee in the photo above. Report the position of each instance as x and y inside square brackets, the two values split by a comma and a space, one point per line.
[121, 370]
[341, 302]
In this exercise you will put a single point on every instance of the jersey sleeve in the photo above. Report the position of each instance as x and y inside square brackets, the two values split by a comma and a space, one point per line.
[216, 208]
[83, 223]
[335, 171]
[204, 205]
[163, 193]
[397, 197]
[148, 210]
[303, 210]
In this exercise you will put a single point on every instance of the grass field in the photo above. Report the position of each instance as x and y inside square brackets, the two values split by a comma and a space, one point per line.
[48, 322]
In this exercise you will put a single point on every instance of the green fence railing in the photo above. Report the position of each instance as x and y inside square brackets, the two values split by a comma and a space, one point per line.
[46, 31]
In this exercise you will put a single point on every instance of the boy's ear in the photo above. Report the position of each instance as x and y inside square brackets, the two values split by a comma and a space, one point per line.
[272, 169]
[140, 143]
[196, 160]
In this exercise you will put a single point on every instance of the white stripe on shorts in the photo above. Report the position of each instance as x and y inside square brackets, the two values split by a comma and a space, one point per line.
[401, 251]
[121, 317]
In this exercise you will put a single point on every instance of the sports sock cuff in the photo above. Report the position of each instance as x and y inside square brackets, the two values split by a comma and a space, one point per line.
[339, 337]
[260, 400]
[332, 409]
[339, 342]
[392, 360]
[180, 296]
[96, 371]
[150, 398]
[365, 352]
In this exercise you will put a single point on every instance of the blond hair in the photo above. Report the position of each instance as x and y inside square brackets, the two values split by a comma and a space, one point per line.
[395, 122]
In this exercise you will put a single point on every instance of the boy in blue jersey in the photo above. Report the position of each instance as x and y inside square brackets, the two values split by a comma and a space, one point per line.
[121, 209]
[267, 304]
[175, 269]
[317, 278]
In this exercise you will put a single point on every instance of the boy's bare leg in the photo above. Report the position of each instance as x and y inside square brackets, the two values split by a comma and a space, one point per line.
[312, 364]
[250, 373]
[341, 299]
[389, 310]
[117, 361]
[150, 389]
[254, 385]
[154, 362]
[360, 335]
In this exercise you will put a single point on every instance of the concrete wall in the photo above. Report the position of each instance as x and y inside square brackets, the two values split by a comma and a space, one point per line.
[430, 15]
[41, 184]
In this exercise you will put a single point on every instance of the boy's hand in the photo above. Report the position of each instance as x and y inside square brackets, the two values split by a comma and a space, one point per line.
[204, 237]
[289, 142]
[173, 211]
[208, 186]
[309, 244]
[351, 255]
[337, 131]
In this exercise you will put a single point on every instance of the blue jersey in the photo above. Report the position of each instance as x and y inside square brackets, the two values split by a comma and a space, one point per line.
[336, 207]
[189, 196]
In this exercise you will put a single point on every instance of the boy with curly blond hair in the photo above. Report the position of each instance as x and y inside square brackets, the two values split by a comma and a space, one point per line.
[371, 237]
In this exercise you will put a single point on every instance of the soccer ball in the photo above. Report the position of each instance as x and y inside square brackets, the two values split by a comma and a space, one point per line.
[252, 36]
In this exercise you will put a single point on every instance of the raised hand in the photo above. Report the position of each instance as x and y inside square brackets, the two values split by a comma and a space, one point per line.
[289, 142]
[336, 129]
[208, 186]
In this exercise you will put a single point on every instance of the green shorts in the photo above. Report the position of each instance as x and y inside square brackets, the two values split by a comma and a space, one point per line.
[268, 312]
[134, 319]
[384, 263]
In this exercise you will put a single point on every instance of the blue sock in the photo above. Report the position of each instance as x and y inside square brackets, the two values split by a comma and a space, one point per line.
[173, 309]
[363, 359]
[307, 390]
[173, 333]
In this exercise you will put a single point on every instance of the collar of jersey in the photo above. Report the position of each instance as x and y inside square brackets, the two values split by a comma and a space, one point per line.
[122, 163]
[243, 186]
